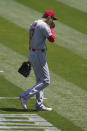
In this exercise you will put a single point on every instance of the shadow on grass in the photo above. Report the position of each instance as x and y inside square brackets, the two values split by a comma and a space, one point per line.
[17, 110]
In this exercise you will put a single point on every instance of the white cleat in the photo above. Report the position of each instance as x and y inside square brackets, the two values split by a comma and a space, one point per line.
[47, 109]
[43, 108]
[23, 102]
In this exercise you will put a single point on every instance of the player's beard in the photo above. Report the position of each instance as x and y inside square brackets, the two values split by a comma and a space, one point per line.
[49, 21]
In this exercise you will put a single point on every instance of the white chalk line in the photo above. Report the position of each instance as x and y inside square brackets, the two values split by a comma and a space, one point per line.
[1, 71]
[37, 122]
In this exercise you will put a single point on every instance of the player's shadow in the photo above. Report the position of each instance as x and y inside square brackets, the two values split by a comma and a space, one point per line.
[17, 110]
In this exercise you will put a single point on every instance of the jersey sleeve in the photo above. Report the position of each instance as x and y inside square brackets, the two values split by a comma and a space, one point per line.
[46, 31]
[52, 37]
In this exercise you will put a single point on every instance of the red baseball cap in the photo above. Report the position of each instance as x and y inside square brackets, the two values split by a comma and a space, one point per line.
[50, 13]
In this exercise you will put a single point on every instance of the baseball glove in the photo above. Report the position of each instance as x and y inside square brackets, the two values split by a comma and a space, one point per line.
[52, 25]
[25, 69]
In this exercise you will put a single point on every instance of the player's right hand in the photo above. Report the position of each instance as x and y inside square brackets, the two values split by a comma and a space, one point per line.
[52, 25]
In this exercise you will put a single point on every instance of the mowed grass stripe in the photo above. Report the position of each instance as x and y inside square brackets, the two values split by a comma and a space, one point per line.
[71, 39]
[61, 61]
[17, 13]
[78, 4]
[14, 64]
[7, 89]
[65, 36]
[66, 98]
[67, 15]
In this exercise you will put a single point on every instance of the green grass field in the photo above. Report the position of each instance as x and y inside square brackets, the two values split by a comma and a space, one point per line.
[67, 60]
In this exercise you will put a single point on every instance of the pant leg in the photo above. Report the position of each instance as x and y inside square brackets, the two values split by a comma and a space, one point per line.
[34, 90]
[39, 98]
[39, 95]
[41, 70]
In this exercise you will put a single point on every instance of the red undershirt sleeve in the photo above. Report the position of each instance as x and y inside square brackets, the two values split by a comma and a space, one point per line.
[52, 37]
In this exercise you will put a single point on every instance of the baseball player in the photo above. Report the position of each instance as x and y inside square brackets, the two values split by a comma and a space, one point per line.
[39, 31]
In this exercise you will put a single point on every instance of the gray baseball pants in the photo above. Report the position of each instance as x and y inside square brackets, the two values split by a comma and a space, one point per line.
[40, 66]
